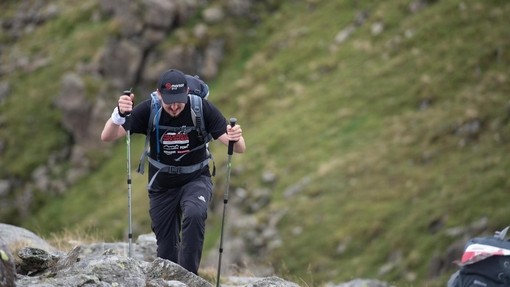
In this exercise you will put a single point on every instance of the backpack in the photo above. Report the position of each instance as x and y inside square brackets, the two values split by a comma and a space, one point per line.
[485, 262]
[197, 86]
[198, 91]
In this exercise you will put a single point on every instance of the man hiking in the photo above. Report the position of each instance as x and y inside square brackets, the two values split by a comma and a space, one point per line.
[180, 185]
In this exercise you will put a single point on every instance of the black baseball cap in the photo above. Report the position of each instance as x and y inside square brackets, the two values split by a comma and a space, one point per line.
[173, 87]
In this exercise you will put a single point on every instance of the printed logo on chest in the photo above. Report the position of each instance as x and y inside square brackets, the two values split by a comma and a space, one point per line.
[175, 143]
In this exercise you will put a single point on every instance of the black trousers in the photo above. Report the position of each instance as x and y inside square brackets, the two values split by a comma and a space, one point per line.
[178, 219]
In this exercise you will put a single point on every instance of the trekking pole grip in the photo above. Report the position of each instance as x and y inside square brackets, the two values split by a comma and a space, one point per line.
[127, 125]
[231, 143]
[127, 93]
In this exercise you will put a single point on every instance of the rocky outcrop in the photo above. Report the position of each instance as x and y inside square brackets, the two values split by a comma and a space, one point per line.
[107, 264]
[107, 269]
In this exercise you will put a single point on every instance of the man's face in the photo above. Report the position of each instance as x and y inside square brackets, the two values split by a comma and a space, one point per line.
[173, 109]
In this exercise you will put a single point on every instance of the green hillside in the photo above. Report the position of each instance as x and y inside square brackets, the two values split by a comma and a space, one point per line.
[388, 139]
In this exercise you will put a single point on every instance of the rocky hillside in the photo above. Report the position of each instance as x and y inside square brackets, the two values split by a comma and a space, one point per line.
[377, 131]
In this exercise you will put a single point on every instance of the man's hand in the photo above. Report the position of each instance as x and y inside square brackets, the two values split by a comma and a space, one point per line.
[234, 133]
[125, 104]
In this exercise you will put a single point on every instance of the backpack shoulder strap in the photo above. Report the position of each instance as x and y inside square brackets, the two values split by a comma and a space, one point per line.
[197, 115]
[155, 109]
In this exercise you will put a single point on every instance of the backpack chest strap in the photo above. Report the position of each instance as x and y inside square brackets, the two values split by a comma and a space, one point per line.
[183, 129]
[175, 169]
[157, 164]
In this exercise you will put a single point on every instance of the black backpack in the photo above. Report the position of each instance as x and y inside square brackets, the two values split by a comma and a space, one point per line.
[197, 87]
[485, 262]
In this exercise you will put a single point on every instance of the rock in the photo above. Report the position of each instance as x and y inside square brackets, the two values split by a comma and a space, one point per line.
[16, 238]
[35, 260]
[168, 270]
[361, 283]
[73, 104]
[7, 267]
[257, 282]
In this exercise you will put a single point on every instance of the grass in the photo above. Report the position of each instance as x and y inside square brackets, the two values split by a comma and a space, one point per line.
[377, 135]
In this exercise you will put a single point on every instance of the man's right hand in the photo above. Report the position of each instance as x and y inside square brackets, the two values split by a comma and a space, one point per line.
[125, 104]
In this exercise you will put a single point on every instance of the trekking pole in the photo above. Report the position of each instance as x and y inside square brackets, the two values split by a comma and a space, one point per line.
[128, 143]
[225, 198]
